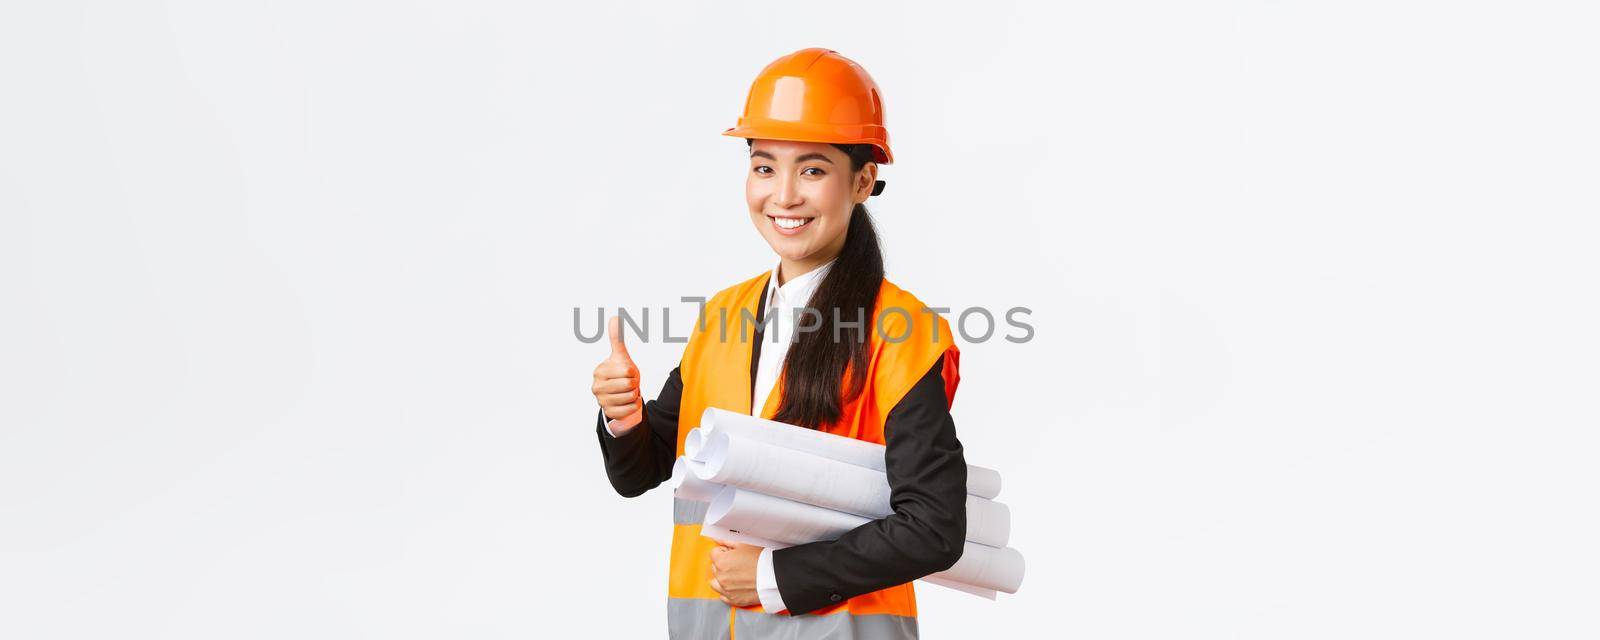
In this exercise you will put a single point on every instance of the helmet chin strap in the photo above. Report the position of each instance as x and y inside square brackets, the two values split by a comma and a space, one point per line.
[877, 186]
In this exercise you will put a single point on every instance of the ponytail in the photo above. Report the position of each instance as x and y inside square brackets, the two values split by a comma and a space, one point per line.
[815, 389]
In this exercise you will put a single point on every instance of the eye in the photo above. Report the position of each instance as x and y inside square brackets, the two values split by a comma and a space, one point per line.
[762, 169]
[813, 171]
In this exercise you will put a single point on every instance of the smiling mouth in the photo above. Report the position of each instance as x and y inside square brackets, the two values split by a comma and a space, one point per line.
[789, 224]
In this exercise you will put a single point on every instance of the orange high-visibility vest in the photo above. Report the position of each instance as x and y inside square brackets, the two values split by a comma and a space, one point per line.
[716, 373]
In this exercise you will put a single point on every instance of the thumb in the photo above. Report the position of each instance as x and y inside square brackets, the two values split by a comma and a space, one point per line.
[618, 348]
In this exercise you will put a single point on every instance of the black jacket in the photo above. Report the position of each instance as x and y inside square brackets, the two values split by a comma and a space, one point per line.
[927, 482]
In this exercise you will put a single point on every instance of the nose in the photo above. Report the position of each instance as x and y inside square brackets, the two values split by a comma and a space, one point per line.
[788, 194]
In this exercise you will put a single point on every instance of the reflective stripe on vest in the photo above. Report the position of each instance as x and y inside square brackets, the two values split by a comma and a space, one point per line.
[700, 619]
[716, 373]
[689, 511]
[697, 619]
[838, 626]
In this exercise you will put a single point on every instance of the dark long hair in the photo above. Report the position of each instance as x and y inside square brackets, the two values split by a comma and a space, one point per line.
[814, 389]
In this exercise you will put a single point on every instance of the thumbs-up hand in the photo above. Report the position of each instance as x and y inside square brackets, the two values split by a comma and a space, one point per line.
[616, 380]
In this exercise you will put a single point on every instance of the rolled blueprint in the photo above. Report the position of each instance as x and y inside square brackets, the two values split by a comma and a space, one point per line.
[786, 473]
[986, 567]
[727, 458]
[775, 518]
[981, 570]
[988, 522]
[722, 457]
[857, 452]
[981, 481]
[685, 485]
[723, 535]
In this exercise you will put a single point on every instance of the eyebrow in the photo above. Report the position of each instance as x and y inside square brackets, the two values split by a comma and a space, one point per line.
[802, 158]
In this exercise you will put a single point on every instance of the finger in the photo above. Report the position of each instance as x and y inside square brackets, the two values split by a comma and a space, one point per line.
[618, 399]
[619, 349]
[717, 587]
[613, 369]
[617, 385]
[621, 411]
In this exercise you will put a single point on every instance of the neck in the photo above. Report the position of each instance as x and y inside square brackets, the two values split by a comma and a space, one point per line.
[791, 269]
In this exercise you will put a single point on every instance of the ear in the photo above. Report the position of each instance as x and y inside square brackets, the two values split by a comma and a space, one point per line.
[865, 179]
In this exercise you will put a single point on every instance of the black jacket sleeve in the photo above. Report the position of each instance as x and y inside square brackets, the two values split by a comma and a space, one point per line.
[642, 458]
[925, 534]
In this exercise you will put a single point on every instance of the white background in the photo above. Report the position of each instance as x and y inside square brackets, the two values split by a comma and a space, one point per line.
[286, 347]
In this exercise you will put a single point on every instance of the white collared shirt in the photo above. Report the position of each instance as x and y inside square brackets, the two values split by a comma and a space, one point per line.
[782, 303]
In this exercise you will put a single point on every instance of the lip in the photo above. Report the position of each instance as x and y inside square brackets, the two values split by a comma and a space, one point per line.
[794, 231]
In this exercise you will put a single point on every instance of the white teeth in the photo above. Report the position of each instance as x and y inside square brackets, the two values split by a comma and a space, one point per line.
[791, 223]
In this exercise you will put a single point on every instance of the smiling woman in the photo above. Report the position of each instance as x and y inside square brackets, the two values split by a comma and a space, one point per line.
[814, 126]
[803, 187]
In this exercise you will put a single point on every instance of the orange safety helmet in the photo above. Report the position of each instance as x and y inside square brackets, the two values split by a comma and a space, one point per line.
[815, 95]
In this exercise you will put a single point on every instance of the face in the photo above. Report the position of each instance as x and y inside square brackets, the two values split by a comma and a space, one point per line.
[801, 195]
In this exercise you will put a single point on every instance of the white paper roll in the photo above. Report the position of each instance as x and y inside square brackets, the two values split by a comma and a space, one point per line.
[849, 450]
[988, 522]
[727, 458]
[981, 481]
[981, 570]
[987, 567]
[775, 518]
[786, 473]
[692, 442]
[685, 485]
[724, 535]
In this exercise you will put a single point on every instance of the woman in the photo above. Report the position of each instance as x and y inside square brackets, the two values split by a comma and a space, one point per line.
[849, 353]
